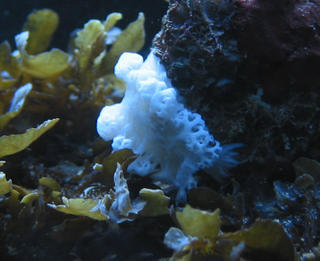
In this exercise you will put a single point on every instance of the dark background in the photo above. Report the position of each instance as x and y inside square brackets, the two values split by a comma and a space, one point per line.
[74, 13]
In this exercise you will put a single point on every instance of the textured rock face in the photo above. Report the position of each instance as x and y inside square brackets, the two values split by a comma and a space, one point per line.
[282, 40]
[278, 30]
[250, 68]
[197, 49]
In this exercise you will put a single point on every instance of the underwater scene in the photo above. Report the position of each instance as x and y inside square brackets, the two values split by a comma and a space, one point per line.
[170, 130]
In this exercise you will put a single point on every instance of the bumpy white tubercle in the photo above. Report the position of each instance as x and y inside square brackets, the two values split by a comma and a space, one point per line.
[112, 117]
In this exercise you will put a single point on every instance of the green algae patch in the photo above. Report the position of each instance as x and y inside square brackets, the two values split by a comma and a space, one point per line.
[9, 64]
[30, 198]
[41, 25]
[111, 21]
[265, 237]
[124, 157]
[17, 103]
[157, 203]
[37, 83]
[198, 236]
[89, 43]
[79, 207]
[199, 223]
[130, 40]
[5, 185]
[114, 205]
[17, 142]
[46, 65]
[50, 183]
[42, 65]
[201, 238]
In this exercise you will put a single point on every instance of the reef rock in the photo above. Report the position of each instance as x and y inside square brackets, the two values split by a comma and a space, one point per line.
[250, 69]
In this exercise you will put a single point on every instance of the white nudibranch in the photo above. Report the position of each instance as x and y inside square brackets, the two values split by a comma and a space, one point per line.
[171, 141]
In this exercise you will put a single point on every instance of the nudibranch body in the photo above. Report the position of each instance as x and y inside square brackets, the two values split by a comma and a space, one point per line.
[171, 141]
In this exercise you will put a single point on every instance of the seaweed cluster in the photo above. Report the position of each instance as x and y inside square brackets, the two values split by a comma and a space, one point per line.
[62, 170]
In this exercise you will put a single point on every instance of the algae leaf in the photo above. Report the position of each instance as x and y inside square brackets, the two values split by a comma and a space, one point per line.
[199, 223]
[47, 64]
[265, 237]
[156, 202]
[29, 198]
[14, 143]
[5, 55]
[110, 163]
[6, 80]
[79, 207]
[16, 104]
[5, 185]
[199, 235]
[50, 183]
[9, 67]
[43, 65]
[130, 40]
[111, 20]
[87, 41]
[115, 206]
[41, 25]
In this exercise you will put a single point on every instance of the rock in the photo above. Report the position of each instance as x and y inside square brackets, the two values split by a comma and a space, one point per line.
[250, 68]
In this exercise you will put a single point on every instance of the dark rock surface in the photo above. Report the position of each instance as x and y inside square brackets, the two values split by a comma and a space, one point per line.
[250, 69]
